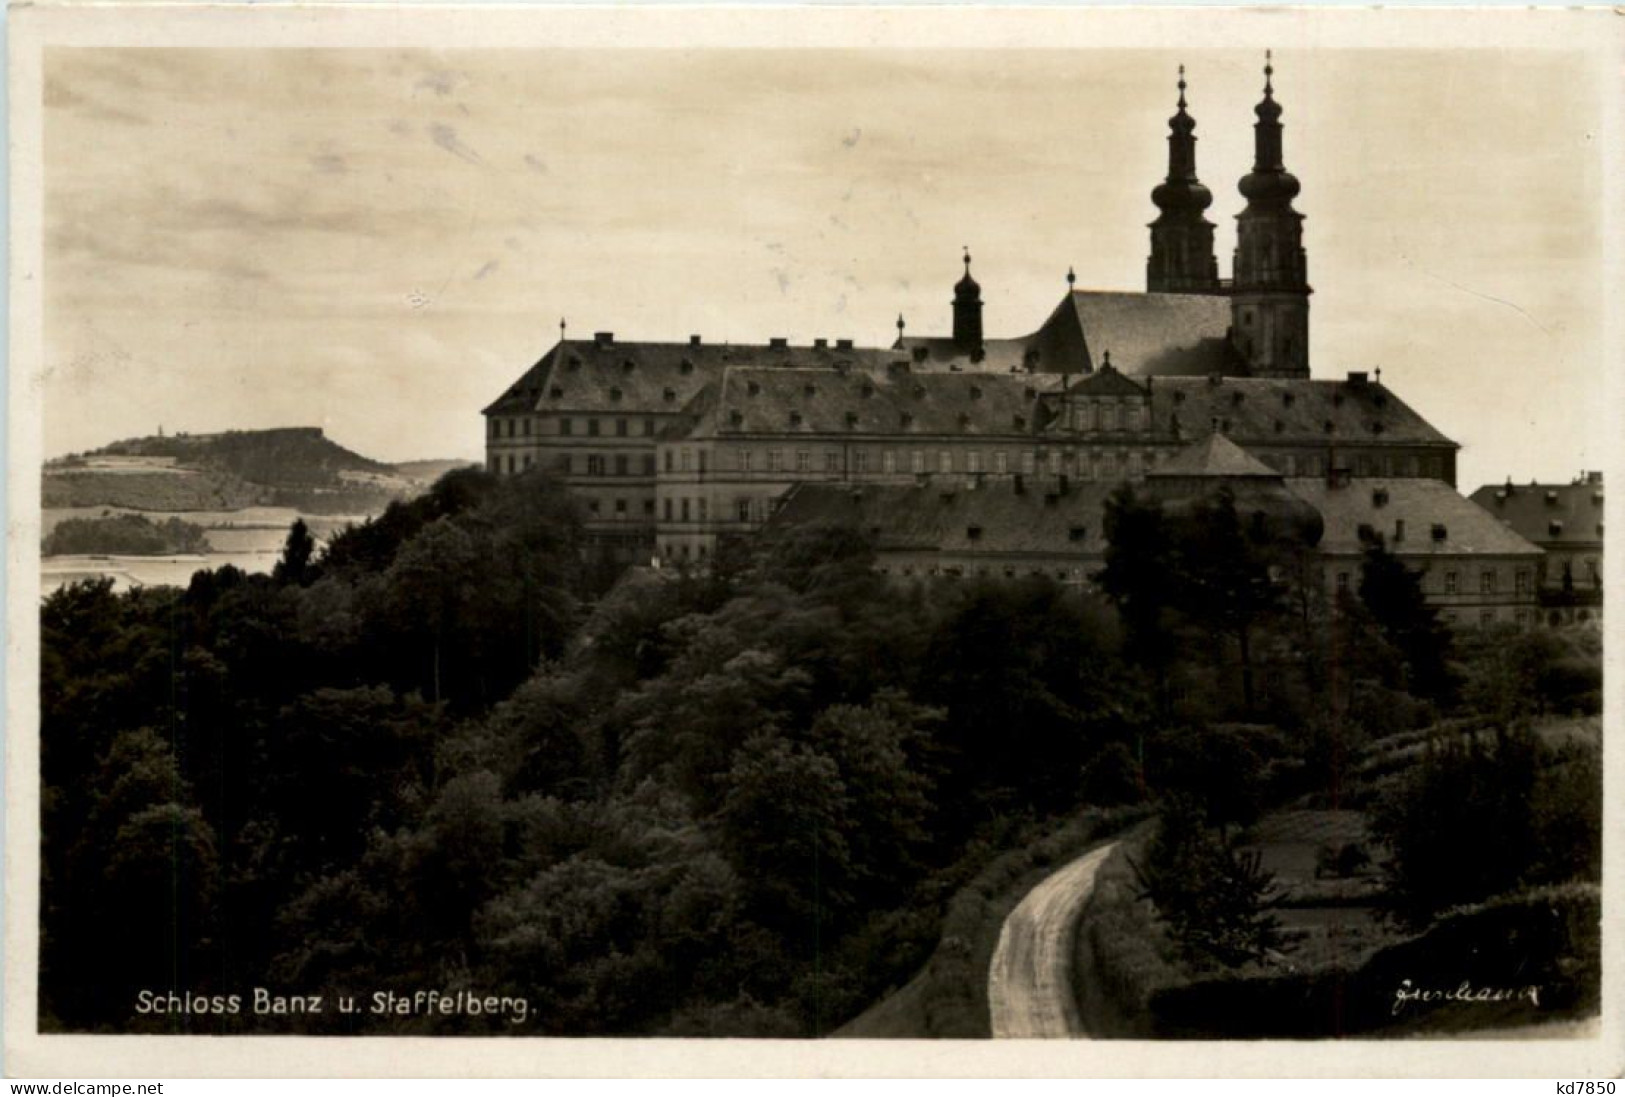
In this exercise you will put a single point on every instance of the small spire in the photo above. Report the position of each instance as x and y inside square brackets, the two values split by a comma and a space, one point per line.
[1106, 359]
[1181, 87]
[967, 259]
[561, 329]
[1269, 71]
[1071, 278]
[1379, 375]
[899, 325]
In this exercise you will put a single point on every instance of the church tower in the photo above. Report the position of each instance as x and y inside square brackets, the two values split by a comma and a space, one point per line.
[967, 312]
[1181, 238]
[1269, 305]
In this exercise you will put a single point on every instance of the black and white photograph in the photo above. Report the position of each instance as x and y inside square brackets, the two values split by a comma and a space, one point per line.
[896, 526]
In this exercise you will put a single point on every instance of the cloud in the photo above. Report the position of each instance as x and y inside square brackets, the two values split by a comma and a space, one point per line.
[446, 137]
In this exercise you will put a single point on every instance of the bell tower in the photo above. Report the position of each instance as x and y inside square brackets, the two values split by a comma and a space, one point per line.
[1269, 304]
[967, 312]
[1182, 258]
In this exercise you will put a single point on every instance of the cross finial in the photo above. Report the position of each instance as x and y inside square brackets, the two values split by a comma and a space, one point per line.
[899, 324]
[1379, 375]
[967, 258]
[1071, 278]
[1181, 87]
[1106, 359]
[561, 329]
[1269, 71]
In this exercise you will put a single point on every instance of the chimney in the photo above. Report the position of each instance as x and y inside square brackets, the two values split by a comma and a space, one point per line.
[693, 340]
[603, 338]
[779, 342]
[1358, 378]
[820, 344]
[843, 344]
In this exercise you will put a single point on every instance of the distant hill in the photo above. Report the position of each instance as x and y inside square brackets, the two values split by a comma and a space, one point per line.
[427, 472]
[296, 467]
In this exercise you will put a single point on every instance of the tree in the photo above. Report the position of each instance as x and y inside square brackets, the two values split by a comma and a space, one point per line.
[1392, 594]
[297, 552]
[1138, 578]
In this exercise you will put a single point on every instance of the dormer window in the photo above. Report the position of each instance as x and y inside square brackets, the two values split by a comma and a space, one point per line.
[752, 388]
[919, 392]
[669, 396]
[736, 417]
[685, 367]
[1331, 427]
[1280, 427]
[1029, 393]
[907, 420]
[1075, 534]
[1337, 399]
[964, 420]
[1286, 399]
[1376, 428]
[851, 419]
[1379, 497]
[615, 394]
[556, 393]
[574, 363]
[628, 366]
[973, 533]
[1179, 397]
[1019, 422]
[976, 392]
[867, 390]
[1555, 527]
[795, 418]
[1236, 399]
[810, 389]
[1439, 532]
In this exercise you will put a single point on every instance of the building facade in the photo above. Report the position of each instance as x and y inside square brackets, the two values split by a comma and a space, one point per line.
[1566, 521]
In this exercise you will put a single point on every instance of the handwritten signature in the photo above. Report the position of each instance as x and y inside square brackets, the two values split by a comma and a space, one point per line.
[1407, 993]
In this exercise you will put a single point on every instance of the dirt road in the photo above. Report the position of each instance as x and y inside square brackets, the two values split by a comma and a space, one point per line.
[1029, 985]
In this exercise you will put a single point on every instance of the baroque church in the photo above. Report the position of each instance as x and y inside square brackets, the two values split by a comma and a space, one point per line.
[963, 454]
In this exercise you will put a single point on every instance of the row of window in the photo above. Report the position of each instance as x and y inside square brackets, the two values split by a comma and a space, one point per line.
[522, 427]
[1488, 581]
[860, 462]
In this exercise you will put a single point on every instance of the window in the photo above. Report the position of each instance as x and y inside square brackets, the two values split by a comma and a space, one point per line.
[774, 460]
[510, 463]
[648, 428]
[620, 508]
[512, 425]
[744, 460]
[1486, 581]
[527, 428]
[684, 459]
[1055, 463]
[1487, 617]
[666, 508]
[648, 464]
[620, 428]
[1001, 462]
[973, 461]
[860, 462]
[648, 508]
[699, 460]
[592, 506]
[742, 508]
[704, 508]
[592, 428]
[1108, 466]
[496, 428]
[622, 465]
[803, 461]
[527, 460]
[1450, 582]
[565, 464]
[685, 508]
[1029, 463]
[595, 465]
[945, 461]
[917, 462]
[1109, 417]
[1342, 582]
[888, 461]
[832, 461]
[1520, 581]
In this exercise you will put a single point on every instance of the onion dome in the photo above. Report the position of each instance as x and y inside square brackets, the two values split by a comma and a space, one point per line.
[1269, 184]
[1181, 192]
[967, 288]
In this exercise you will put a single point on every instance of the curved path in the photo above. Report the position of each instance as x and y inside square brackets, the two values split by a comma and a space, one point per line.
[1029, 985]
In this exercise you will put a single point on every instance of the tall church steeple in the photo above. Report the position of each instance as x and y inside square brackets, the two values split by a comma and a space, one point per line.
[1182, 258]
[967, 312]
[1270, 300]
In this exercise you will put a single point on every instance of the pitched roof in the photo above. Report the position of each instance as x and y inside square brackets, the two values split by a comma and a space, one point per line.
[1287, 410]
[1214, 457]
[946, 515]
[609, 376]
[1423, 505]
[1106, 381]
[1530, 510]
[1146, 333]
[897, 401]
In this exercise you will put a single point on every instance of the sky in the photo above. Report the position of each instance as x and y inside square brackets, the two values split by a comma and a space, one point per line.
[379, 241]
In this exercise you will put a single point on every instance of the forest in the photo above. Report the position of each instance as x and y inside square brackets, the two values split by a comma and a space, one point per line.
[443, 753]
